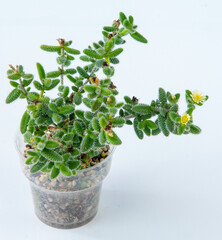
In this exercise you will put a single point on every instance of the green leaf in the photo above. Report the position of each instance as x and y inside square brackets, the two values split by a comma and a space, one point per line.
[54, 83]
[90, 88]
[65, 170]
[95, 124]
[137, 36]
[102, 137]
[138, 132]
[115, 53]
[38, 166]
[78, 127]
[86, 144]
[14, 76]
[150, 124]
[80, 114]
[55, 172]
[13, 95]
[51, 155]
[78, 98]
[14, 84]
[88, 115]
[92, 53]
[174, 117]
[85, 58]
[118, 121]
[195, 129]
[73, 164]
[142, 109]
[162, 125]
[28, 76]
[24, 122]
[71, 50]
[103, 122]
[33, 96]
[50, 48]
[113, 138]
[147, 130]
[41, 71]
[96, 104]
[128, 100]
[70, 71]
[56, 118]
[82, 72]
[68, 109]
[53, 74]
[155, 132]
[170, 124]
[162, 95]
[38, 85]
[122, 17]
[51, 144]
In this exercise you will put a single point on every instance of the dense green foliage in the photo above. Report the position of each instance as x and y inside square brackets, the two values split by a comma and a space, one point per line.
[62, 135]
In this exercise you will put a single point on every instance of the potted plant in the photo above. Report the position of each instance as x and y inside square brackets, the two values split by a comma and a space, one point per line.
[67, 142]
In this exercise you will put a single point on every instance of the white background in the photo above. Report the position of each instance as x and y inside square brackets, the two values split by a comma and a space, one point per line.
[159, 188]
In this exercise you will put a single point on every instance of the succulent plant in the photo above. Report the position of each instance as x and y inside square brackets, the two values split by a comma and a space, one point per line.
[60, 134]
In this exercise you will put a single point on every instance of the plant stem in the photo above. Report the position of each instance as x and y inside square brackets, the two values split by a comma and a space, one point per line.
[62, 52]
[93, 71]
[23, 89]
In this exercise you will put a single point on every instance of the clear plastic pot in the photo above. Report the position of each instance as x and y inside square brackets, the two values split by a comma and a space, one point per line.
[66, 202]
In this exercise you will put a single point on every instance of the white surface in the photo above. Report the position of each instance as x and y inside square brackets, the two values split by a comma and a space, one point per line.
[158, 188]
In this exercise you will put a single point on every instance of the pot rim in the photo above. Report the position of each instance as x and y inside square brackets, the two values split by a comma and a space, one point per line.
[18, 139]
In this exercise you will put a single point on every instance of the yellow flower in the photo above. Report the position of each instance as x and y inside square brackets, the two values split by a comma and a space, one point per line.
[198, 97]
[185, 118]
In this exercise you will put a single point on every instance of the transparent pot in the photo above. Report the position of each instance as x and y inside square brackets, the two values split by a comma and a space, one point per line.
[66, 202]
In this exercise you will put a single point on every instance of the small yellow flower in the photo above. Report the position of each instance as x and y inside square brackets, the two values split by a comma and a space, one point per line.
[198, 97]
[185, 118]
[174, 97]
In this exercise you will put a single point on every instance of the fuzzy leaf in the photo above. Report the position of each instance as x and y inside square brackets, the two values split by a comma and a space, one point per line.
[162, 125]
[51, 155]
[50, 48]
[96, 104]
[82, 72]
[162, 95]
[141, 109]
[78, 127]
[95, 124]
[38, 166]
[65, 170]
[54, 83]
[14, 76]
[86, 144]
[53, 74]
[113, 138]
[102, 137]
[56, 118]
[55, 172]
[150, 124]
[24, 122]
[38, 85]
[67, 109]
[13, 95]
[174, 117]
[78, 98]
[92, 53]
[138, 132]
[137, 36]
[51, 144]
[115, 53]
[122, 17]
[195, 129]
[71, 50]
[41, 71]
